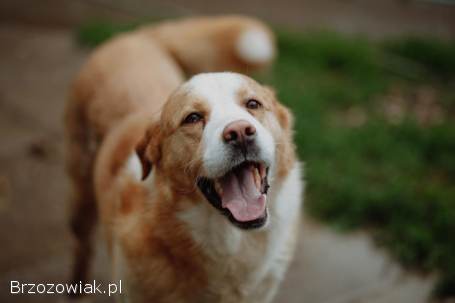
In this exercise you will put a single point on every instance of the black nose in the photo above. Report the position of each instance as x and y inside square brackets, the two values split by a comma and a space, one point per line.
[239, 132]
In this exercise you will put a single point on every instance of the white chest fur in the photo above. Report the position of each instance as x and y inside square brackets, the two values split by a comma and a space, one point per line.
[249, 264]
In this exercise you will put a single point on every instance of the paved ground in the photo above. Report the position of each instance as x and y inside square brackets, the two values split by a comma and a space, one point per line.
[35, 68]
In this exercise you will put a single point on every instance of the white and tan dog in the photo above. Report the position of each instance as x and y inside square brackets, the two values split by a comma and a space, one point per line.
[185, 171]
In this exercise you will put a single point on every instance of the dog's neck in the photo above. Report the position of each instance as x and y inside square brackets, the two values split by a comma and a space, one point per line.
[206, 226]
[212, 231]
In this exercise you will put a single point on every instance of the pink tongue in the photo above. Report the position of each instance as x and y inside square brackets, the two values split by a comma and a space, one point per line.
[241, 196]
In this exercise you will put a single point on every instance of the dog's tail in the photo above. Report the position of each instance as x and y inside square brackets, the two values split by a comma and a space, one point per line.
[209, 44]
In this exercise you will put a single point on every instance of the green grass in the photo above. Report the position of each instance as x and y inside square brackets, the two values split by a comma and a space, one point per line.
[435, 55]
[397, 179]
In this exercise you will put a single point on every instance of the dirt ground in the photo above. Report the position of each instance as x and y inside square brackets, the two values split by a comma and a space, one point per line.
[36, 65]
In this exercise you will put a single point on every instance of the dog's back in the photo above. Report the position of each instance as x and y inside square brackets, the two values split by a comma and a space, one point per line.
[135, 73]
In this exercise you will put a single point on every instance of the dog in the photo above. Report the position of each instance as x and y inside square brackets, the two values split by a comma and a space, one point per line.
[196, 183]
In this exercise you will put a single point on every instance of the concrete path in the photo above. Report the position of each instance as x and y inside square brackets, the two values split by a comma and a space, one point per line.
[36, 66]
[334, 268]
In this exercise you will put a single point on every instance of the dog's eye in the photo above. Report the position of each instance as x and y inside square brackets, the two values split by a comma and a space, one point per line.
[192, 118]
[253, 104]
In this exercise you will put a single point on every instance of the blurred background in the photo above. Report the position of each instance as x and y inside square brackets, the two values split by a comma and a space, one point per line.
[372, 88]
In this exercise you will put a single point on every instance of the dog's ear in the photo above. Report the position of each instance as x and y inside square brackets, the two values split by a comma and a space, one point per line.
[283, 114]
[148, 148]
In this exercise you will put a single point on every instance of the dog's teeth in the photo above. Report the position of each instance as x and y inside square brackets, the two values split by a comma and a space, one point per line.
[262, 172]
[218, 188]
[257, 178]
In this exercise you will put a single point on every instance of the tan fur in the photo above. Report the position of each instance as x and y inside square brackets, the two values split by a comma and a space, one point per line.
[198, 47]
[116, 108]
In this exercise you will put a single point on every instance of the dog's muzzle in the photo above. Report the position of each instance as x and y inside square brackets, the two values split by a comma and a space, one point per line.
[241, 192]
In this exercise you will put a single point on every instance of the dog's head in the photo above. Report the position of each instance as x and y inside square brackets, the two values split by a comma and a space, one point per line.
[224, 136]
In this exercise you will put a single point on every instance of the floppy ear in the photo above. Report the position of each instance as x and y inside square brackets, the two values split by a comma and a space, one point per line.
[148, 149]
[283, 114]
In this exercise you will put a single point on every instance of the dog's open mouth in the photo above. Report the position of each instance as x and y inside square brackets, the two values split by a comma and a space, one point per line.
[240, 194]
